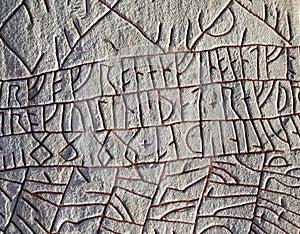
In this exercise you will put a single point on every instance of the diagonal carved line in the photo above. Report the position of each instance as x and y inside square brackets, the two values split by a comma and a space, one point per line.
[89, 29]
[132, 24]
[260, 19]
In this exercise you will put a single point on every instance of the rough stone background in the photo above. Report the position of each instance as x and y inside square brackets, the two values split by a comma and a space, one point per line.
[149, 116]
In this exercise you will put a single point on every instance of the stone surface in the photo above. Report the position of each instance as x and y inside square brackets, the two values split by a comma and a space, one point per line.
[149, 116]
